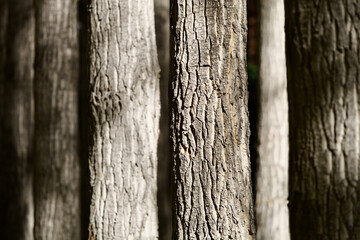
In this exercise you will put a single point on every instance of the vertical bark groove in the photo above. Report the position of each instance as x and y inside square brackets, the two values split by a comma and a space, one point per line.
[209, 121]
[57, 173]
[272, 215]
[323, 84]
[124, 109]
[16, 124]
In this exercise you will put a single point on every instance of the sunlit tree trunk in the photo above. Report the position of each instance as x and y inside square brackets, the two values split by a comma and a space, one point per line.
[209, 121]
[57, 175]
[323, 84]
[16, 119]
[272, 215]
[124, 126]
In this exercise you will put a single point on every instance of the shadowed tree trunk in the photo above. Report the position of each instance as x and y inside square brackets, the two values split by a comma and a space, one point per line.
[124, 126]
[209, 121]
[57, 175]
[272, 215]
[162, 25]
[323, 84]
[16, 119]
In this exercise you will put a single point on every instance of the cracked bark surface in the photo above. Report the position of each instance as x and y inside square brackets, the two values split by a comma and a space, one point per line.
[323, 85]
[16, 119]
[272, 216]
[124, 126]
[209, 121]
[57, 172]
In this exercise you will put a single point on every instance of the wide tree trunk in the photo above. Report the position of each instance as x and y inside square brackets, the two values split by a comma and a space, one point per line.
[16, 119]
[162, 27]
[209, 121]
[124, 126]
[272, 215]
[57, 175]
[323, 84]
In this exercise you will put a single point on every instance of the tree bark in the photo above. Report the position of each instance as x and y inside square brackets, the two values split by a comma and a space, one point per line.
[124, 126]
[162, 27]
[16, 126]
[57, 175]
[209, 121]
[323, 84]
[272, 215]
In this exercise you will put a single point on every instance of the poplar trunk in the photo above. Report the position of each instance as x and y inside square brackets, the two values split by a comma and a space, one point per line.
[124, 124]
[323, 86]
[57, 171]
[209, 121]
[272, 215]
[16, 119]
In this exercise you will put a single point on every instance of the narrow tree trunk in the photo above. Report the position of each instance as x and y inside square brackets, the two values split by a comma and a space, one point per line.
[209, 121]
[272, 174]
[162, 26]
[125, 107]
[57, 190]
[323, 83]
[16, 82]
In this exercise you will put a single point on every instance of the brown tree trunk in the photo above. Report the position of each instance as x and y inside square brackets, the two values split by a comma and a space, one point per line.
[209, 121]
[57, 190]
[323, 84]
[272, 215]
[124, 126]
[162, 26]
[16, 119]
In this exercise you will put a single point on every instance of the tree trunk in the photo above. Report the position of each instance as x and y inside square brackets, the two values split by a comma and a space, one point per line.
[162, 26]
[209, 121]
[16, 82]
[124, 126]
[323, 84]
[57, 190]
[272, 174]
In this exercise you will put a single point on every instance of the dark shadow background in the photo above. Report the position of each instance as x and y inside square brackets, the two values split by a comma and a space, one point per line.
[83, 118]
[253, 81]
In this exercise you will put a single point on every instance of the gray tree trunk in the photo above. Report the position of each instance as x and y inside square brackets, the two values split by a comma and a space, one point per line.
[57, 175]
[125, 110]
[323, 83]
[162, 27]
[209, 121]
[16, 116]
[272, 215]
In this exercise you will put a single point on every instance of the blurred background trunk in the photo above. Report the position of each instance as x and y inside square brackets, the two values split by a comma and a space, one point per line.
[272, 167]
[57, 167]
[16, 119]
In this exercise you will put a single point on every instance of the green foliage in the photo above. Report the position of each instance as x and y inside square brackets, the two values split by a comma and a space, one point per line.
[253, 72]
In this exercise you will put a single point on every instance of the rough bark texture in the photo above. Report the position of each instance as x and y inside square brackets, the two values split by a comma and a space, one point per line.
[16, 126]
[209, 121]
[57, 175]
[125, 110]
[272, 215]
[162, 27]
[323, 84]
